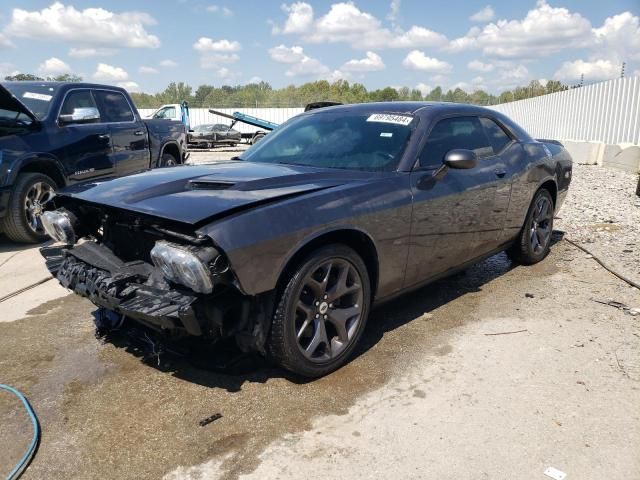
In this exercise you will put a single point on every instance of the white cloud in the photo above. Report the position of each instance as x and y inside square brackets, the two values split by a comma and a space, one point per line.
[394, 11]
[205, 44]
[227, 75]
[417, 60]
[54, 66]
[618, 39]
[301, 65]
[213, 53]
[254, 79]
[479, 66]
[593, 71]
[90, 52]
[7, 69]
[299, 18]
[91, 26]
[284, 54]
[129, 86]
[346, 23]
[224, 11]
[109, 73]
[5, 42]
[485, 15]
[167, 63]
[147, 70]
[214, 60]
[544, 30]
[424, 88]
[371, 63]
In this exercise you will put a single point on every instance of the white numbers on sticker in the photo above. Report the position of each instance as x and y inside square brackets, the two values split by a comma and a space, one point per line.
[37, 96]
[390, 118]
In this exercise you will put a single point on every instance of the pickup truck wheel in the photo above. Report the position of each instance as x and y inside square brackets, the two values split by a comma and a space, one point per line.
[167, 160]
[321, 313]
[533, 242]
[30, 193]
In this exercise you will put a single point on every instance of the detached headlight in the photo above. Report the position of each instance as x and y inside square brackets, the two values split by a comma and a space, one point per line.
[185, 265]
[59, 226]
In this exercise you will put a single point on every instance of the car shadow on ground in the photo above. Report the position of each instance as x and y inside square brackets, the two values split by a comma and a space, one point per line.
[224, 366]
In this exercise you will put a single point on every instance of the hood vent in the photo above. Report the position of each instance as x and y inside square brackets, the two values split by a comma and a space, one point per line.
[209, 185]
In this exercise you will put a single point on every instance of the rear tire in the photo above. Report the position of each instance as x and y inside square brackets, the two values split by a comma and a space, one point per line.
[321, 313]
[534, 240]
[167, 160]
[30, 192]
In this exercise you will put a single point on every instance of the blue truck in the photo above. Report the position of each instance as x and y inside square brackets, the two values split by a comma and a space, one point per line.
[56, 134]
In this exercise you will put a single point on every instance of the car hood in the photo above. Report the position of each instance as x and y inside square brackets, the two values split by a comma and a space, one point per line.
[8, 101]
[192, 194]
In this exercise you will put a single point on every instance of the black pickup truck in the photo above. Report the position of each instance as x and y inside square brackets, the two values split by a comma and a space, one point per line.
[57, 134]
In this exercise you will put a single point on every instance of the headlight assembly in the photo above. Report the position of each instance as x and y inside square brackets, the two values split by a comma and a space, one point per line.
[185, 265]
[59, 225]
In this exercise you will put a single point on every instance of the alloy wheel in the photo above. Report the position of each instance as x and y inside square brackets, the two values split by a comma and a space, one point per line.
[540, 227]
[39, 194]
[329, 310]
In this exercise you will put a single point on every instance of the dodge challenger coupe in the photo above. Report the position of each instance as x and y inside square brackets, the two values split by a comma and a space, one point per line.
[286, 248]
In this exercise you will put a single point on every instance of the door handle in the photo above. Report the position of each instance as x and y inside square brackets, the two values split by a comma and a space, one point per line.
[500, 173]
[138, 132]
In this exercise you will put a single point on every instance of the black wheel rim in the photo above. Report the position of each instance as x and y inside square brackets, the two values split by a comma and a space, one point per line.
[328, 311]
[540, 227]
[38, 194]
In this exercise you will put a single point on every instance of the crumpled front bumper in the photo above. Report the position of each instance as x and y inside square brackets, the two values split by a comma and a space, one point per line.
[133, 289]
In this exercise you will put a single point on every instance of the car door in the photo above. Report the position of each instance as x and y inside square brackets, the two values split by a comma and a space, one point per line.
[129, 136]
[85, 145]
[458, 213]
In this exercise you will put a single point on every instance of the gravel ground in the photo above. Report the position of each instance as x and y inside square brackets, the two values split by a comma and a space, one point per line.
[602, 213]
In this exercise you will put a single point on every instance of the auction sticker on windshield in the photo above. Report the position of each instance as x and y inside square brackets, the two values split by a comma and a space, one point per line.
[37, 96]
[390, 118]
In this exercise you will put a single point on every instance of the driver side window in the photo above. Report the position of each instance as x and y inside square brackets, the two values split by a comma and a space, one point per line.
[451, 133]
[78, 99]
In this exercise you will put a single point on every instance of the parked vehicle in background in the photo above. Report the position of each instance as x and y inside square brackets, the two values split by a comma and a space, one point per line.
[178, 112]
[287, 249]
[208, 135]
[57, 134]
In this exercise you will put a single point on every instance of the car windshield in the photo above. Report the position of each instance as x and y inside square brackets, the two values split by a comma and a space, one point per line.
[36, 97]
[202, 128]
[348, 140]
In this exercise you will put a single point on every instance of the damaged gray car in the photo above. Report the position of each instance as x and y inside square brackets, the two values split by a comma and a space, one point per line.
[287, 248]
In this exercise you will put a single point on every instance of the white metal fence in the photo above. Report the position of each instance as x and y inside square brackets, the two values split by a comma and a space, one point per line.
[607, 112]
[198, 116]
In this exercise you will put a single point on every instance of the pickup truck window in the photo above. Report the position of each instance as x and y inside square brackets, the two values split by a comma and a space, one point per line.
[167, 112]
[113, 106]
[78, 99]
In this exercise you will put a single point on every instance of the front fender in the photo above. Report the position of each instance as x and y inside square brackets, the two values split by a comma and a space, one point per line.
[11, 166]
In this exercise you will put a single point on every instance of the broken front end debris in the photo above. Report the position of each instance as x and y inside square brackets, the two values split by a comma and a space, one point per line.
[170, 281]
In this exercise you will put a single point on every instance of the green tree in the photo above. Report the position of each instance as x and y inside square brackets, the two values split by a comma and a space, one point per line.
[23, 77]
[434, 95]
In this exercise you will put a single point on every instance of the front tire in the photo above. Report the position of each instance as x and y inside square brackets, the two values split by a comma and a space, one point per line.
[22, 223]
[534, 240]
[321, 313]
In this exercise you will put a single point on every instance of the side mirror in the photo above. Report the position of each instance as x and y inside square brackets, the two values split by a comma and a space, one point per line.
[460, 158]
[81, 115]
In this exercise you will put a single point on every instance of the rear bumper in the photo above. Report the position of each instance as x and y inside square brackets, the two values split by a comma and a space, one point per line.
[127, 289]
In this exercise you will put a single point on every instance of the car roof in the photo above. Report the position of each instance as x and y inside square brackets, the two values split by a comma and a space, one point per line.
[65, 85]
[401, 107]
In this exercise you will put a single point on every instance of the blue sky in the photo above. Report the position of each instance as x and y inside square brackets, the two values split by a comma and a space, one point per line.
[492, 45]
